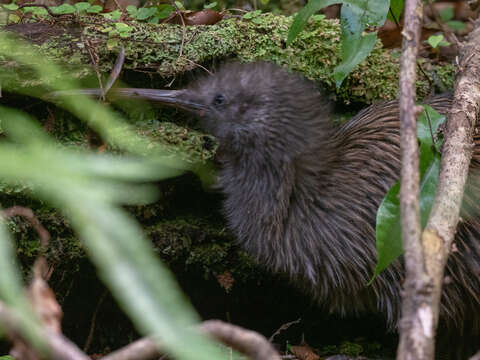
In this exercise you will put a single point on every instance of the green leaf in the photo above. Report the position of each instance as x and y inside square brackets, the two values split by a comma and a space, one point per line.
[122, 27]
[164, 11]
[356, 15]
[355, 49]
[113, 15]
[456, 25]
[11, 6]
[62, 9]
[154, 20]
[38, 11]
[82, 6]
[145, 13]
[303, 15]
[388, 228]
[423, 125]
[210, 6]
[95, 9]
[131, 10]
[179, 5]
[396, 7]
[446, 14]
[434, 40]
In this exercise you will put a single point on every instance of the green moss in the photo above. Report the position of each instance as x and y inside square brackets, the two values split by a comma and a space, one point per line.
[155, 49]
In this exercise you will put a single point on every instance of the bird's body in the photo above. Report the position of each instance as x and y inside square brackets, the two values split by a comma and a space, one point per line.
[301, 195]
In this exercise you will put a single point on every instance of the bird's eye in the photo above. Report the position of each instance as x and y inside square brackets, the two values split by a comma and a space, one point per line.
[218, 100]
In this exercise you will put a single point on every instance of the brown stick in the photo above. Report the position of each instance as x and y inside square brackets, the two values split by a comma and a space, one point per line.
[413, 341]
[248, 342]
[425, 275]
[457, 151]
[30, 216]
[60, 346]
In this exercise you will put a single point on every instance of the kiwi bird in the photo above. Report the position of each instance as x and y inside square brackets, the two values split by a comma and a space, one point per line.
[301, 195]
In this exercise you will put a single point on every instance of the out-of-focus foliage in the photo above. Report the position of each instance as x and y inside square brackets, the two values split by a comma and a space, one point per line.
[90, 189]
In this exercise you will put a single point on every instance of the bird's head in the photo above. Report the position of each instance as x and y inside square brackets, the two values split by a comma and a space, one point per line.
[254, 103]
[245, 105]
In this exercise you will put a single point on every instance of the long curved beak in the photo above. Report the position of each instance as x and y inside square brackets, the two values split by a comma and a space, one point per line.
[176, 98]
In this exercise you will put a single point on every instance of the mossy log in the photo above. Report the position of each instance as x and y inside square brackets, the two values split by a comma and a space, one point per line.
[155, 49]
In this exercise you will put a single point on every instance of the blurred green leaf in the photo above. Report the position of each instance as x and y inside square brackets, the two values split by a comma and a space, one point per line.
[11, 6]
[145, 13]
[131, 10]
[446, 14]
[82, 6]
[210, 6]
[90, 189]
[95, 9]
[456, 25]
[62, 9]
[437, 40]
[164, 10]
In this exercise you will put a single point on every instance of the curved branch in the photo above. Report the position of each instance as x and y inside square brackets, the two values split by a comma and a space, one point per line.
[248, 342]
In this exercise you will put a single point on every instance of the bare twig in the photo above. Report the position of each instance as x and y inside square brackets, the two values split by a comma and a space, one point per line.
[93, 322]
[94, 59]
[30, 216]
[283, 328]
[424, 280]
[60, 346]
[248, 342]
[431, 130]
[456, 154]
[184, 27]
[117, 68]
[412, 339]
[200, 66]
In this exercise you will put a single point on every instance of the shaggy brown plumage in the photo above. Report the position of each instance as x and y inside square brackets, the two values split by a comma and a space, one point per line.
[302, 195]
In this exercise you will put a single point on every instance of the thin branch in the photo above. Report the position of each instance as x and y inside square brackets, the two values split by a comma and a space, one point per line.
[184, 27]
[60, 346]
[456, 154]
[88, 342]
[30, 216]
[414, 342]
[117, 68]
[248, 342]
[283, 328]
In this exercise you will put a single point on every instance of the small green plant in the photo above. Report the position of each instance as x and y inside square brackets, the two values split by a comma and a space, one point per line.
[253, 16]
[437, 40]
[152, 14]
[212, 5]
[447, 15]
